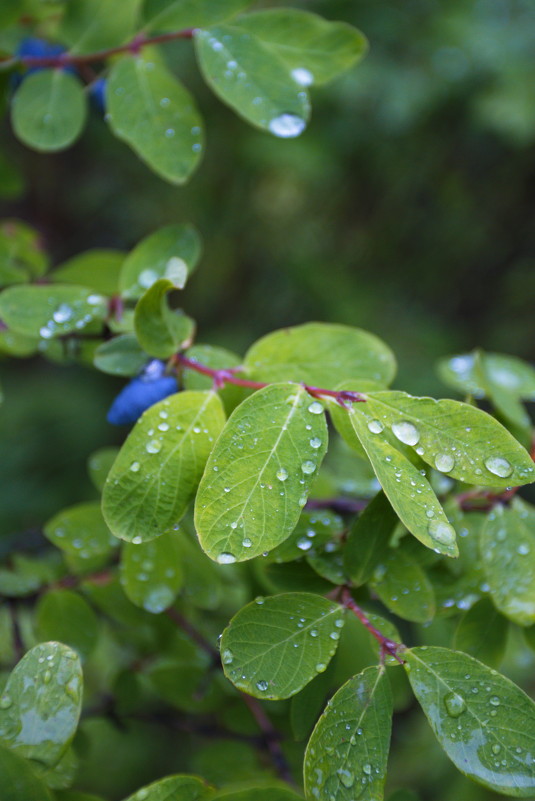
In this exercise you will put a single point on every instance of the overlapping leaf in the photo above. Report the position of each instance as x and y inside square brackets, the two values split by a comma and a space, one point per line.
[178, 788]
[258, 476]
[347, 753]
[482, 633]
[368, 538]
[161, 331]
[176, 15]
[122, 355]
[21, 255]
[151, 572]
[159, 466]
[484, 722]
[274, 646]
[87, 26]
[80, 530]
[65, 616]
[97, 269]
[18, 780]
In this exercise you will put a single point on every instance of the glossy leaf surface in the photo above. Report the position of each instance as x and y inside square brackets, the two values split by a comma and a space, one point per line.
[252, 79]
[159, 466]
[347, 753]
[274, 646]
[321, 355]
[259, 473]
[41, 702]
[489, 734]
[152, 112]
[161, 331]
[151, 572]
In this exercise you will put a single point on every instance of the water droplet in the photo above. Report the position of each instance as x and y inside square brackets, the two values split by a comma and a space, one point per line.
[499, 466]
[226, 558]
[246, 543]
[442, 532]
[347, 778]
[334, 635]
[5, 702]
[134, 467]
[315, 407]
[170, 132]
[137, 540]
[339, 623]
[444, 462]
[494, 700]
[304, 544]
[496, 749]
[523, 549]
[375, 426]
[287, 125]
[259, 600]
[406, 432]
[227, 657]
[313, 632]
[63, 313]
[315, 443]
[47, 676]
[163, 427]
[154, 446]
[320, 667]
[164, 102]
[367, 768]
[455, 704]
[308, 467]
[302, 76]
[262, 685]
[282, 474]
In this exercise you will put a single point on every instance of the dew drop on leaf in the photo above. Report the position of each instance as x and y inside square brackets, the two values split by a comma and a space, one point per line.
[375, 426]
[442, 532]
[444, 462]
[154, 446]
[499, 466]
[315, 407]
[455, 704]
[282, 474]
[406, 432]
[287, 125]
[226, 558]
[262, 685]
[308, 467]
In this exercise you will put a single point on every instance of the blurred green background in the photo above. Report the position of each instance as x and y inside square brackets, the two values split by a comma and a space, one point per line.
[406, 208]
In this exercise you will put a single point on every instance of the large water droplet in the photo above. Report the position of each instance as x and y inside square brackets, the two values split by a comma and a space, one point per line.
[63, 313]
[226, 558]
[313, 632]
[375, 426]
[494, 700]
[154, 446]
[347, 778]
[227, 657]
[308, 467]
[287, 125]
[444, 462]
[302, 76]
[262, 685]
[315, 407]
[304, 544]
[455, 704]
[523, 549]
[406, 432]
[499, 466]
[442, 532]
[315, 443]
[321, 667]
[134, 467]
[367, 769]
[282, 474]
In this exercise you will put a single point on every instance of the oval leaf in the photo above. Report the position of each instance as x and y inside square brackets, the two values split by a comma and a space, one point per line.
[252, 79]
[489, 735]
[65, 616]
[152, 112]
[151, 572]
[177, 788]
[461, 372]
[49, 110]
[347, 753]
[122, 355]
[508, 551]
[321, 355]
[403, 586]
[159, 466]
[161, 331]
[274, 646]
[175, 15]
[97, 269]
[41, 703]
[258, 475]
[18, 780]
[80, 531]
[482, 633]
[368, 539]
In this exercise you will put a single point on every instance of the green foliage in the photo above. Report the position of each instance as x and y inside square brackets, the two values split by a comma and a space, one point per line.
[402, 518]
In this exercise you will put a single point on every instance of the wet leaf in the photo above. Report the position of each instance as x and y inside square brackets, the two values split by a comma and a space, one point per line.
[151, 572]
[81, 531]
[21, 255]
[484, 722]
[18, 781]
[403, 586]
[87, 26]
[274, 646]
[65, 616]
[461, 372]
[482, 633]
[314, 529]
[161, 331]
[259, 473]
[347, 753]
[368, 539]
[159, 466]
[99, 464]
[41, 703]
[177, 788]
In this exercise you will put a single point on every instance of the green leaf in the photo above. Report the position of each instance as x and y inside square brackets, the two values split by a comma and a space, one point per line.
[175, 15]
[314, 49]
[252, 79]
[99, 464]
[122, 355]
[161, 331]
[267, 792]
[463, 372]
[151, 572]
[274, 646]
[320, 355]
[170, 252]
[368, 539]
[307, 705]
[62, 774]
[455, 438]
[482, 633]
[150, 110]
[484, 722]
[28, 574]
[388, 630]
[259, 473]
[403, 586]
[80, 530]
[218, 359]
[88, 26]
[508, 552]
[48, 110]
[159, 466]
[347, 753]
[21, 255]
[97, 269]
[408, 491]
[18, 781]
[41, 703]
[50, 311]
[177, 788]
[314, 529]
[65, 616]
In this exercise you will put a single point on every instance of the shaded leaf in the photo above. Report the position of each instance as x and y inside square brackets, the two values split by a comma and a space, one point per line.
[152, 112]
[161, 331]
[88, 26]
[258, 475]
[151, 572]
[80, 530]
[314, 529]
[65, 616]
[306, 353]
[177, 788]
[41, 703]
[482, 633]
[49, 109]
[264, 792]
[314, 49]
[403, 586]
[97, 269]
[174, 15]
[99, 464]
[21, 255]
[252, 79]
[306, 705]
[274, 646]
[368, 539]
[218, 359]
[347, 753]
[159, 466]
[28, 574]
[170, 252]
[122, 355]
[488, 734]
[18, 781]
[508, 552]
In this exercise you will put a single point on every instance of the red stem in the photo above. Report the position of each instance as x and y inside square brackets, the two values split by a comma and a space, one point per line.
[387, 646]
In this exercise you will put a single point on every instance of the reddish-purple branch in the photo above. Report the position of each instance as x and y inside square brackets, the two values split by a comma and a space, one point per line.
[228, 376]
[387, 646]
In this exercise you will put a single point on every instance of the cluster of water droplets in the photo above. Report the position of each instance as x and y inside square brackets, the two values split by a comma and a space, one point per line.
[72, 315]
